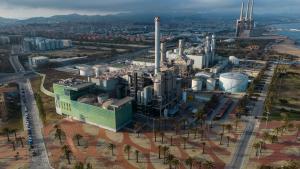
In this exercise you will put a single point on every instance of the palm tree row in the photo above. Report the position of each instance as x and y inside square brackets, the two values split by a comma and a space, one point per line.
[199, 163]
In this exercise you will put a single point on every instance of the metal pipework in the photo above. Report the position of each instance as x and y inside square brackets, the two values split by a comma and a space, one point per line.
[157, 44]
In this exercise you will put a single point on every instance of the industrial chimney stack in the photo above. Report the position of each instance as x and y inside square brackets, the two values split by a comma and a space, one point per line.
[157, 44]
[180, 46]
[163, 53]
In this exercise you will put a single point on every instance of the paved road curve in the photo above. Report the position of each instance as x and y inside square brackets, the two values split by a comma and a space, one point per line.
[41, 160]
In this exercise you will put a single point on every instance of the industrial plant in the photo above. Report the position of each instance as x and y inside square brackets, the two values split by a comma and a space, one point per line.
[112, 94]
[245, 24]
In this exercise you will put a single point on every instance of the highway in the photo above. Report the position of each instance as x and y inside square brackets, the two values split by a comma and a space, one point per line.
[244, 144]
[39, 157]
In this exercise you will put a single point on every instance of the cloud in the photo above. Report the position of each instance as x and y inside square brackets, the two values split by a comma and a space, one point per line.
[28, 7]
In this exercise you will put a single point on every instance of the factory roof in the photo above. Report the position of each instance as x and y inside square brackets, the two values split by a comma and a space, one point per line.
[75, 84]
[119, 103]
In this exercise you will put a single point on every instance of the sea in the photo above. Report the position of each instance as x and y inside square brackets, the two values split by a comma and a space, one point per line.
[291, 30]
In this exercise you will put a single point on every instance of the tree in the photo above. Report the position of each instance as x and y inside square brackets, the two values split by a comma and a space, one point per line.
[89, 166]
[79, 165]
[223, 127]
[237, 121]
[137, 155]
[171, 141]
[127, 150]
[155, 136]
[209, 164]
[228, 127]
[13, 145]
[221, 138]
[78, 137]
[111, 147]
[67, 152]
[266, 135]
[184, 139]
[228, 140]
[20, 139]
[203, 147]
[15, 132]
[189, 162]
[58, 134]
[273, 138]
[169, 160]
[7, 132]
[137, 127]
[257, 147]
[175, 162]
[165, 151]
[162, 137]
[159, 150]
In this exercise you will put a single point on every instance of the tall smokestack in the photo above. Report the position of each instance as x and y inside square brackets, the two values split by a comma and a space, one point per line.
[248, 10]
[251, 10]
[162, 52]
[213, 48]
[180, 46]
[157, 44]
[242, 11]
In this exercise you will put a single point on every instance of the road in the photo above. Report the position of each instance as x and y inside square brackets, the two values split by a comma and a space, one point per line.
[40, 160]
[240, 154]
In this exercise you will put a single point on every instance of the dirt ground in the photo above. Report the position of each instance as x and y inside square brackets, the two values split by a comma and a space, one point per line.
[93, 146]
[8, 158]
[287, 47]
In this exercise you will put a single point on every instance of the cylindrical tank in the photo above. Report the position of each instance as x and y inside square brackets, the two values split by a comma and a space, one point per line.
[86, 71]
[197, 84]
[159, 84]
[210, 84]
[147, 94]
[233, 82]
[98, 70]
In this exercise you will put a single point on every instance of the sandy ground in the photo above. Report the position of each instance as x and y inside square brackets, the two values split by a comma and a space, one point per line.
[287, 47]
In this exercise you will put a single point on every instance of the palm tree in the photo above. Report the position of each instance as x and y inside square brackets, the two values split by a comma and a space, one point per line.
[13, 145]
[208, 164]
[159, 150]
[58, 134]
[20, 139]
[79, 165]
[221, 138]
[265, 135]
[67, 151]
[175, 162]
[176, 127]
[7, 132]
[137, 127]
[15, 132]
[165, 151]
[237, 121]
[162, 137]
[202, 133]
[277, 129]
[184, 139]
[137, 155]
[195, 132]
[257, 147]
[228, 127]
[203, 147]
[78, 137]
[223, 127]
[189, 162]
[89, 166]
[155, 136]
[127, 149]
[228, 140]
[169, 160]
[111, 147]
[171, 140]
[273, 138]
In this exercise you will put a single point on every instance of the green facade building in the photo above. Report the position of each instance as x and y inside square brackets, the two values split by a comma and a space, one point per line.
[113, 114]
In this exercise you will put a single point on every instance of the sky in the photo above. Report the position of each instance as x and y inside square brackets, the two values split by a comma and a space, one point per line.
[22, 9]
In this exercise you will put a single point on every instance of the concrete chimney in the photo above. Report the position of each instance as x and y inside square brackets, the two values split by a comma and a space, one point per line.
[162, 53]
[251, 10]
[157, 44]
[248, 10]
[242, 11]
[180, 47]
[213, 48]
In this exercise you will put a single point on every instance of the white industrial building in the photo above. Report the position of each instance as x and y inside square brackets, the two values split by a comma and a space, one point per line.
[234, 60]
[38, 61]
[233, 82]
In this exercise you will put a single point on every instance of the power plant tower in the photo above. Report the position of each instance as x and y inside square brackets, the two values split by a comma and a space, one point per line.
[180, 46]
[157, 45]
[213, 49]
[207, 58]
[245, 24]
[162, 53]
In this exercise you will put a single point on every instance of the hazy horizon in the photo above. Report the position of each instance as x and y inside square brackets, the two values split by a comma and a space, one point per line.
[47, 8]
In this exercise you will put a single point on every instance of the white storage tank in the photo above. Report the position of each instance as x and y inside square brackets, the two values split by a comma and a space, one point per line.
[210, 84]
[233, 82]
[234, 60]
[197, 84]
[86, 71]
